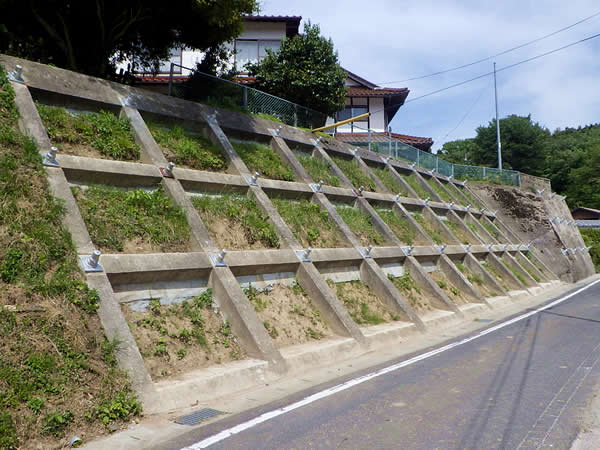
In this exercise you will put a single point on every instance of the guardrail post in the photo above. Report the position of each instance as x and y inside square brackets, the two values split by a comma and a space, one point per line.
[370, 139]
[418, 158]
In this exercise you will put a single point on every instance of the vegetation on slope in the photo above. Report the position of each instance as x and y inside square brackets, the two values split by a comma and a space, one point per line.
[58, 373]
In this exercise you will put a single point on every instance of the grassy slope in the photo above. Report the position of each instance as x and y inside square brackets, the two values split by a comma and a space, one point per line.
[58, 374]
[591, 238]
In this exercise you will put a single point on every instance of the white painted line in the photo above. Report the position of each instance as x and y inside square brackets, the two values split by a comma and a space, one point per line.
[359, 380]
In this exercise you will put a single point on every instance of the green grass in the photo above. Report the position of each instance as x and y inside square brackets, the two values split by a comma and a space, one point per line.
[457, 231]
[490, 227]
[400, 226]
[465, 191]
[262, 159]
[405, 284]
[190, 150]
[531, 272]
[473, 278]
[591, 237]
[456, 192]
[241, 210]
[389, 179]
[54, 353]
[309, 223]
[514, 271]
[416, 186]
[440, 190]
[352, 170]
[359, 311]
[104, 131]
[435, 235]
[318, 170]
[361, 224]
[472, 227]
[114, 216]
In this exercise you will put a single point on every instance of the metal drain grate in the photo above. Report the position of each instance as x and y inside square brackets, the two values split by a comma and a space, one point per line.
[198, 416]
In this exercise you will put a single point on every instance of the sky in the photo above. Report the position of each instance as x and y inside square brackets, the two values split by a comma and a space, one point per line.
[387, 41]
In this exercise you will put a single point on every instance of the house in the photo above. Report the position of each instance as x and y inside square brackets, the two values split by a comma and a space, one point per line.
[586, 214]
[383, 104]
[266, 32]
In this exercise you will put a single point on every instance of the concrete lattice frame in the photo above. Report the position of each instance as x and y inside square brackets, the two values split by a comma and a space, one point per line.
[50, 84]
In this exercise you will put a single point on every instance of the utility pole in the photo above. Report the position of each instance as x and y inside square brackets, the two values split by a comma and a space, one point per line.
[497, 122]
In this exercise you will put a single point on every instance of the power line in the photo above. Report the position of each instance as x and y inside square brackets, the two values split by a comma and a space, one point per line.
[497, 54]
[468, 112]
[498, 70]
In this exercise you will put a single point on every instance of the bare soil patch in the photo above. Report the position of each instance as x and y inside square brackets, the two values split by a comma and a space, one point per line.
[420, 302]
[363, 305]
[457, 296]
[288, 315]
[175, 339]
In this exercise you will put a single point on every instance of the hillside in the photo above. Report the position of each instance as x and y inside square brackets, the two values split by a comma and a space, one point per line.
[58, 374]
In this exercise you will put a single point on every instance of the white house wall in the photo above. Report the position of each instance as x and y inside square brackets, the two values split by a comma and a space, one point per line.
[263, 30]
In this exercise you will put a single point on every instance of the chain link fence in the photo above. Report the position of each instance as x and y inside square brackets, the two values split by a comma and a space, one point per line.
[215, 91]
[386, 145]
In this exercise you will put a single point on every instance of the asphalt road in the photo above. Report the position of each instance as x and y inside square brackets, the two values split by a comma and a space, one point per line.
[524, 386]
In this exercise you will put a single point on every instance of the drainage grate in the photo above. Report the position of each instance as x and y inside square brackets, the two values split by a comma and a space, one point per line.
[198, 416]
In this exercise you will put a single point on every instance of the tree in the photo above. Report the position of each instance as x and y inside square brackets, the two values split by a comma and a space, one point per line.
[305, 70]
[523, 144]
[91, 36]
[583, 187]
[459, 152]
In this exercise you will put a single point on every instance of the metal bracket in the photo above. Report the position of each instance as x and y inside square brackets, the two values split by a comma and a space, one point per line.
[49, 158]
[252, 181]
[167, 172]
[354, 151]
[366, 252]
[317, 187]
[91, 263]
[17, 75]
[467, 248]
[441, 248]
[218, 259]
[408, 250]
[304, 255]
[385, 160]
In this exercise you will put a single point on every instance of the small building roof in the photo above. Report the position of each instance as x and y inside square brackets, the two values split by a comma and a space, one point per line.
[588, 210]
[292, 22]
[422, 143]
[588, 223]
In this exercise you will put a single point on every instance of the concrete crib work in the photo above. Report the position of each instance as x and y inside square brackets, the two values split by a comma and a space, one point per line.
[466, 247]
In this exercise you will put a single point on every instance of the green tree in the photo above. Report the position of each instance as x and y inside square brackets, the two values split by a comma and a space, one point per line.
[460, 151]
[305, 70]
[91, 36]
[523, 144]
[583, 188]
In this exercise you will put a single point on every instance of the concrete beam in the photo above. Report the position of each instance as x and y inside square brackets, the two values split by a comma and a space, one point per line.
[510, 260]
[243, 318]
[529, 266]
[506, 274]
[475, 266]
[372, 275]
[457, 278]
[429, 286]
[332, 310]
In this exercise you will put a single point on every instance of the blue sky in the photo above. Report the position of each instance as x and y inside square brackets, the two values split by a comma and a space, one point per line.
[387, 40]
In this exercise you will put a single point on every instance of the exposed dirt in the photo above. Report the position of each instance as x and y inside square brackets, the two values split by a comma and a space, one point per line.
[86, 151]
[168, 350]
[229, 233]
[456, 295]
[420, 302]
[354, 294]
[288, 315]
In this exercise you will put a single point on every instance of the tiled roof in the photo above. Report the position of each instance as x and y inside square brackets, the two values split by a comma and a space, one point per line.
[377, 92]
[159, 79]
[422, 143]
[581, 208]
[273, 18]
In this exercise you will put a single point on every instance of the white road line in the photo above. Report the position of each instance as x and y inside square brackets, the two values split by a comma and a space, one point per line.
[359, 380]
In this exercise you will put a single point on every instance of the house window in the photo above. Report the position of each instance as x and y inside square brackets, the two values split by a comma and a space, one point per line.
[353, 111]
[251, 51]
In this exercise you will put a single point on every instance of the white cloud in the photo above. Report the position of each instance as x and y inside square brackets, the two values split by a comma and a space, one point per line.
[387, 40]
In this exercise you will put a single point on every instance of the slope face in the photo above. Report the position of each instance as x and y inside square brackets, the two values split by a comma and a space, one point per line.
[318, 272]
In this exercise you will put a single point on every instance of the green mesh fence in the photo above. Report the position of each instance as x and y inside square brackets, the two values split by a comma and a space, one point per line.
[215, 91]
[385, 145]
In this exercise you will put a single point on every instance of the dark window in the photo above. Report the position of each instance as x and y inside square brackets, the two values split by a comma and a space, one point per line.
[352, 111]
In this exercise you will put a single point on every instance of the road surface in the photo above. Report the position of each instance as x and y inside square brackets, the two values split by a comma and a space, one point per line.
[525, 385]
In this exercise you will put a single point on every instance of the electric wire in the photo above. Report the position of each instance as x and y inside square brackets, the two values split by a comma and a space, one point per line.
[497, 54]
[510, 66]
[469, 111]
